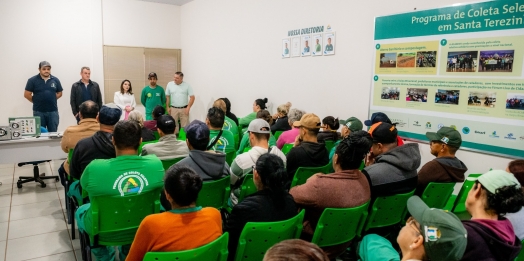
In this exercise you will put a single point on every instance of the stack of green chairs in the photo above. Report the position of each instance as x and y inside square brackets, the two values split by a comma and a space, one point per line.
[215, 193]
[143, 144]
[388, 211]
[436, 194]
[277, 134]
[182, 134]
[247, 188]
[286, 148]
[214, 251]
[257, 237]
[459, 202]
[170, 162]
[304, 173]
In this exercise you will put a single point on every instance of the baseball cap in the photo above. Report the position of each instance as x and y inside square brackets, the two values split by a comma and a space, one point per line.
[109, 115]
[495, 179]
[353, 124]
[308, 120]
[377, 117]
[259, 126]
[166, 123]
[44, 64]
[151, 74]
[447, 135]
[383, 132]
[445, 238]
[197, 131]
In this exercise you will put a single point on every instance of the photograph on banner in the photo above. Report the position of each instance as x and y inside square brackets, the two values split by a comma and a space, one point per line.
[496, 61]
[426, 59]
[390, 93]
[285, 48]
[306, 45]
[515, 101]
[329, 49]
[317, 40]
[447, 96]
[388, 60]
[417, 95]
[464, 61]
[482, 99]
[406, 60]
[295, 47]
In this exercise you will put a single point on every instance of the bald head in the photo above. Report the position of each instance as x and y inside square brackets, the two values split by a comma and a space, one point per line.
[88, 110]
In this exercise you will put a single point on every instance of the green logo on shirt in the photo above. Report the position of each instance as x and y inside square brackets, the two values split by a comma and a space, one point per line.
[131, 182]
[227, 126]
[149, 95]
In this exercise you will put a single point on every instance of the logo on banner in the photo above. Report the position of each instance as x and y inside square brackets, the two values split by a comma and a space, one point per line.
[510, 137]
[415, 123]
[480, 132]
[399, 122]
[428, 125]
[466, 130]
[494, 135]
[439, 126]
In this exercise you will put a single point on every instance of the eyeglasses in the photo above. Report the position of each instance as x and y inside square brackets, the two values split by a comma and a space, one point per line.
[412, 223]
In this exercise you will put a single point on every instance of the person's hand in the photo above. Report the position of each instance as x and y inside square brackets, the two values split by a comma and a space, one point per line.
[370, 159]
[186, 110]
[298, 140]
[128, 108]
[275, 116]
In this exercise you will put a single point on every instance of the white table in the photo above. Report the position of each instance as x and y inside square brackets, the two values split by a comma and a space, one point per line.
[31, 149]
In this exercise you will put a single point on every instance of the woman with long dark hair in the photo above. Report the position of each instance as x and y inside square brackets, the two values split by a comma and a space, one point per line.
[258, 104]
[124, 99]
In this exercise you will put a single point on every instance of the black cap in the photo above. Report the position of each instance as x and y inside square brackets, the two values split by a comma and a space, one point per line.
[109, 116]
[166, 124]
[377, 117]
[196, 131]
[383, 132]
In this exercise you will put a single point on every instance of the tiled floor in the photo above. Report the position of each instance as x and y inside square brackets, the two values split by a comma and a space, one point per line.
[32, 219]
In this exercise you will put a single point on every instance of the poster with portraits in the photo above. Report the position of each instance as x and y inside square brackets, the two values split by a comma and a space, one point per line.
[329, 43]
[306, 45]
[295, 47]
[285, 48]
[316, 44]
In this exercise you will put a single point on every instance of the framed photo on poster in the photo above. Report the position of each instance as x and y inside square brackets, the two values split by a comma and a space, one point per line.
[317, 44]
[306, 45]
[285, 48]
[329, 43]
[295, 47]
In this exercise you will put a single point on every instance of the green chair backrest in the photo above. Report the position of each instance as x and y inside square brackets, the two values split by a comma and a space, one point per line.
[436, 194]
[340, 225]
[362, 165]
[230, 156]
[215, 193]
[520, 257]
[182, 134]
[247, 188]
[157, 136]
[246, 149]
[257, 237]
[304, 173]
[277, 134]
[170, 162]
[329, 144]
[214, 251]
[460, 202]
[237, 140]
[70, 155]
[286, 148]
[387, 211]
[143, 144]
[115, 219]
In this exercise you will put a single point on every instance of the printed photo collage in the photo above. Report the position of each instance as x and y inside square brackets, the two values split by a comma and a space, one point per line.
[309, 45]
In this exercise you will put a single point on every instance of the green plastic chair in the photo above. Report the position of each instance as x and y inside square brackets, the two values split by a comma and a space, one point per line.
[246, 149]
[387, 211]
[237, 140]
[304, 173]
[182, 134]
[157, 136]
[329, 144]
[230, 156]
[215, 193]
[247, 188]
[143, 144]
[257, 237]
[340, 225]
[362, 165]
[436, 194]
[214, 251]
[115, 219]
[170, 162]
[286, 148]
[520, 257]
[459, 206]
[277, 134]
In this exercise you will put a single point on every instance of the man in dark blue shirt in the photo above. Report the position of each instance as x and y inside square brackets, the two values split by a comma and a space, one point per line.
[43, 90]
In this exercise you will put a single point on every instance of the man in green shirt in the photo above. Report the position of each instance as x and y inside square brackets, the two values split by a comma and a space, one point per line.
[215, 121]
[152, 95]
[126, 174]
[318, 47]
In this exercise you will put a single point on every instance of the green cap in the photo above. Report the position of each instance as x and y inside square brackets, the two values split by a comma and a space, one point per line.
[447, 135]
[445, 238]
[353, 124]
[495, 179]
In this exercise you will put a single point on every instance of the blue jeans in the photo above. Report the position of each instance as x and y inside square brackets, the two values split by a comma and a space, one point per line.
[48, 120]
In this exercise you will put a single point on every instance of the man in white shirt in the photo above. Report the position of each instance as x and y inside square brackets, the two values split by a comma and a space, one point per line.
[179, 98]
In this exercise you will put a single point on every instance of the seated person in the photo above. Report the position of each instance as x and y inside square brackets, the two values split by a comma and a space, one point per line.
[348, 126]
[331, 191]
[208, 164]
[244, 143]
[516, 168]
[445, 167]
[490, 234]
[219, 140]
[243, 164]
[289, 136]
[168, 146]
[229, 124]
[390, 169]
[258, 104]
[147, 134]
[307, 152]
[100, 177]
[382, 117]
[330, 125]
[269, 204]
[429, 234]
[229, 114]
[186, 226]
[157, 112]
[295, 250]
[280, 122]
[88, 111]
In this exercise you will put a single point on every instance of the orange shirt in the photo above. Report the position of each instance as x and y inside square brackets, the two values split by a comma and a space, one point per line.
[169, 232]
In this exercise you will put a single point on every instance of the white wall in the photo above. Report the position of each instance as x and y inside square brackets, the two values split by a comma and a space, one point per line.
[232, 49]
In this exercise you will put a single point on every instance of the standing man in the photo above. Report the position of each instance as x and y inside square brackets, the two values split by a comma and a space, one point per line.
[152, 95]
[43, 90]
[84, 90]
[179, 98]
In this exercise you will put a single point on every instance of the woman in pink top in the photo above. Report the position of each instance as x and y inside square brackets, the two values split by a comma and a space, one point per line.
[290, 135]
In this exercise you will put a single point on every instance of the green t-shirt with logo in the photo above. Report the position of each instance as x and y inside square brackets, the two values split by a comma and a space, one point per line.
[150, 98]
[230, 125]
[226, 142]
